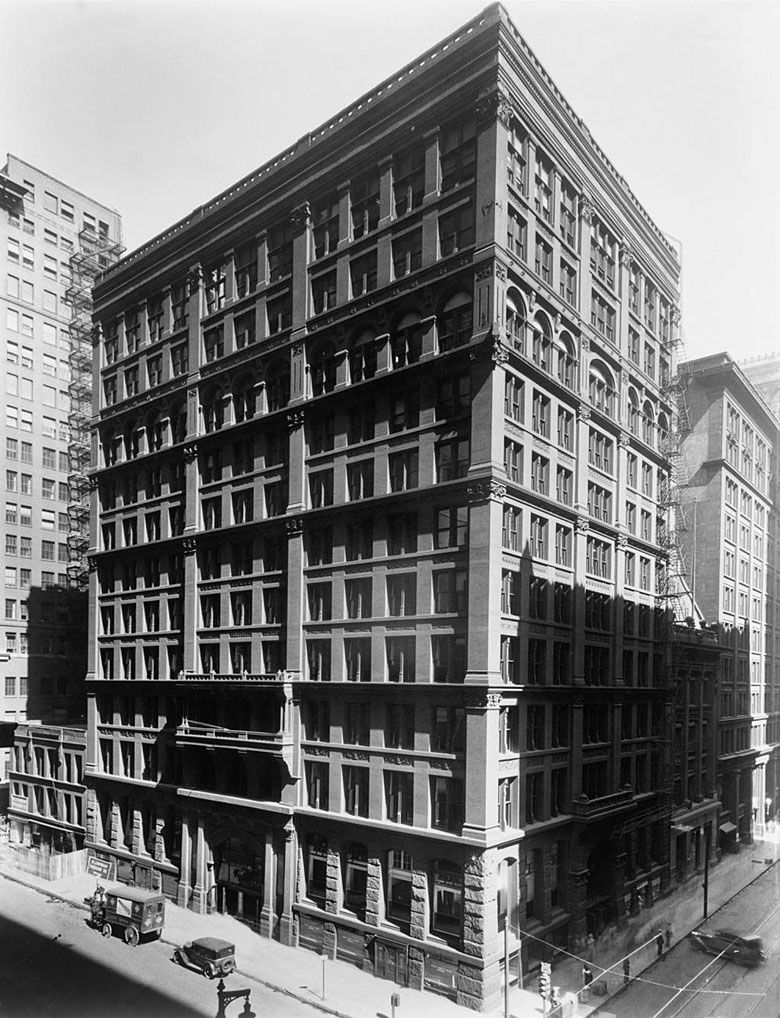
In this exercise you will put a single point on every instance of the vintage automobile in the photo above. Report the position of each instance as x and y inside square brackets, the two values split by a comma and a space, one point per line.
[748, 951]
[210, 955]
[134, 911]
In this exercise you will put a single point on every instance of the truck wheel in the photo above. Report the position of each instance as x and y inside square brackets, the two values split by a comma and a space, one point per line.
[131, 936]
[209, 971]
[105, 929]
[177, 957]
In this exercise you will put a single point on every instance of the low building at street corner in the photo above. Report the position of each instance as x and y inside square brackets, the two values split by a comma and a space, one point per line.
[47, 795]
[379, 640]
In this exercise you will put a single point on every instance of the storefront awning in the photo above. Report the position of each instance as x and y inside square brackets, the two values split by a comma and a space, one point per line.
[727, 828]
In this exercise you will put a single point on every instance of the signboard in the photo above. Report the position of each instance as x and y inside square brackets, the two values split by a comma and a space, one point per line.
[103, 868]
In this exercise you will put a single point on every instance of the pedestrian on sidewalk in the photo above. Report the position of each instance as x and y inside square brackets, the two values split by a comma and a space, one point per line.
[659, 943]
[587, 975]
[626, 971]
[668, 937]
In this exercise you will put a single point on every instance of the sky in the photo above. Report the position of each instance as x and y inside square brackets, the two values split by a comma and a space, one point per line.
[154, 106]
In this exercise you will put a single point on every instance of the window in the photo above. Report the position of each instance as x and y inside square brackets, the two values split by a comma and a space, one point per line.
[541, 414]
[356, 790]
[363, 274]
[538, 537]
[364, 196]
[517, 234]
[567, 220]
[598, 558]
[564, 486]
[401, 594]
[400, 652]
[360, 480]
[407, 254]
[321, 488]
[563, 546]
[543, 190]
[455, 322]
[446, 803]
[510, 531]
[602, 254]
[399, 791]
[451, 527]
[318, 660]
[407, 343]
[602, 316]
[537, 597]
[543, 260]
[449, 591]
[408, 180]
[358, 598]
[568, 283]
[513, 397]
[325, 220]
[403, 469]
[457, 152]
[599, 503]
[600, 451]
[401, 534]
[317, 798]
[513, 460]
[323, 292]
[452, 458]
[456, 230]
[540, 474]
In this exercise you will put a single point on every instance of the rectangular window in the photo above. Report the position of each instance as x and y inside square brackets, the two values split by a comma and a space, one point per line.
[456, 230]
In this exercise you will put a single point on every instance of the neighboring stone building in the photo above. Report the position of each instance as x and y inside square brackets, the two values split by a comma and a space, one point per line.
[44, 225]
[730, 548]
[378, 659]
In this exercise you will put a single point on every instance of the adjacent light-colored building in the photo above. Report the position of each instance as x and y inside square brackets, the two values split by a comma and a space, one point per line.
[730, 548]
[43, 226]
[378, 652]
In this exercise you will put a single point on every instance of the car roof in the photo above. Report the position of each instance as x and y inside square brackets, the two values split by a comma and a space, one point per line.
[213, 944]
[134, 893]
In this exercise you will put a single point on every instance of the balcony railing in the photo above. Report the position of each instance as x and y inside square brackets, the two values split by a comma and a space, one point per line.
[244, 677]
[585, 807]
[195, 733]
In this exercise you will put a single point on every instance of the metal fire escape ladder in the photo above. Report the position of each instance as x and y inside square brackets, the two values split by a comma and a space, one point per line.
[94, 253]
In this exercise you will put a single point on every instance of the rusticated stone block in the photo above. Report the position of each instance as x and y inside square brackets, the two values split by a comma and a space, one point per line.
[416, 968]
[329, 940]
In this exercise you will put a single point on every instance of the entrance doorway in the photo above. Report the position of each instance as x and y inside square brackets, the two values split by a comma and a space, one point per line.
[240, 881]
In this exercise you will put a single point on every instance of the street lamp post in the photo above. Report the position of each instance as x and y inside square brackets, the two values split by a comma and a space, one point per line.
[225, 997]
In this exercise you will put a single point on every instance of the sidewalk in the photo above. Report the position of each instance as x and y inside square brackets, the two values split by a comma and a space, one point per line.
[351, 993]
[296, 972]
[681, 912]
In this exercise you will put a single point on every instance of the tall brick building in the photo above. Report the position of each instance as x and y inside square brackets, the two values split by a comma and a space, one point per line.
[730, 546]
[377, 646]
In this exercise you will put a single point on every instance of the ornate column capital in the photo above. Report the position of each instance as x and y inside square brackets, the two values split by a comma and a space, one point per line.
[494, 106]
[300, 216]
[486, 489]
[586, 210]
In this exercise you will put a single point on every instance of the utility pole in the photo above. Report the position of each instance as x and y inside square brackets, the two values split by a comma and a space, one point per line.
[706, 884]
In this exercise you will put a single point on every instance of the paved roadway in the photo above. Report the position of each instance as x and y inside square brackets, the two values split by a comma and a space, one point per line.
[743, 993]
[53, 965]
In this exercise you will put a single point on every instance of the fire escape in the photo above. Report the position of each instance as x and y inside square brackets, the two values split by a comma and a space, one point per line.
[95, 253]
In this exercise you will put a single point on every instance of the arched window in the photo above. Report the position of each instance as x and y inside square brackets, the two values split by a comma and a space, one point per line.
[515, 319]
[633, 412]
[601, 388]
[278, 386]
[407, 341]
[648, 423]
[244, 404]
[323, 370]
[355, 878]
[213, 411]
[541, 354]
[566, 363]
[447, 898]
[362, 356]
[455, 322]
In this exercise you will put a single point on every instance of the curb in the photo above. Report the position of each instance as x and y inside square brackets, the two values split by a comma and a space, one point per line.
[171, 943]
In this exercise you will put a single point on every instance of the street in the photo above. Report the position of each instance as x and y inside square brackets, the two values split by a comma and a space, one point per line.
[725, 989]
[53, 964]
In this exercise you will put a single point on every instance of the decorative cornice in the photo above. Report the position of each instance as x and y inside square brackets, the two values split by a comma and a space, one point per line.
[583, 526]
[499, 354]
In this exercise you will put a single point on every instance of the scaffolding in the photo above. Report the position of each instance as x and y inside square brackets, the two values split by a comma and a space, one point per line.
[95, 253]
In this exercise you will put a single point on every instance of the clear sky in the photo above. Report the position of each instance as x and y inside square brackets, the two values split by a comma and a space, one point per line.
[154, 107]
